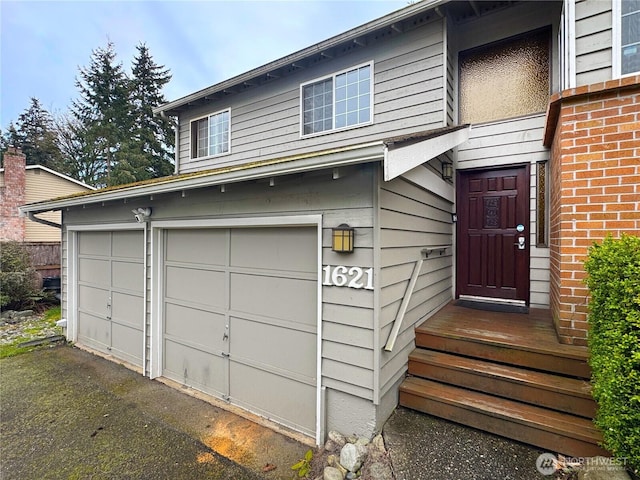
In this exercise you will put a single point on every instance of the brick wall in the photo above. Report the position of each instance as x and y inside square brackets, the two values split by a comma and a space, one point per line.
[595, 187]
[12, 194]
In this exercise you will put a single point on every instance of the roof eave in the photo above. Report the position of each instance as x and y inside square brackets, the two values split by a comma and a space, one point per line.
[363, 153]
[171, 108]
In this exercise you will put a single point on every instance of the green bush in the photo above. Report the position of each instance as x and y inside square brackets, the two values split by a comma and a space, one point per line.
[17, 277]
[613, 269]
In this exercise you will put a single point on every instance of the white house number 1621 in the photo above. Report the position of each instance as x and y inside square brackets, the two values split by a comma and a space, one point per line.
[352, 277]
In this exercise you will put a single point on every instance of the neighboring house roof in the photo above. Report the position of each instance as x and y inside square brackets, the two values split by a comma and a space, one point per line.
[58, 174]
[61, 175]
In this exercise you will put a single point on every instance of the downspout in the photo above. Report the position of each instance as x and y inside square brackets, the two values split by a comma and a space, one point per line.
[33, 218]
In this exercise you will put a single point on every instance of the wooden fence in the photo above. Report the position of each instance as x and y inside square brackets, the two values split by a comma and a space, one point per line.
[45, 257]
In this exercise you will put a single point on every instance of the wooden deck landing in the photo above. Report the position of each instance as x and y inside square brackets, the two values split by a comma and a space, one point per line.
[533, 330]
[529, 332]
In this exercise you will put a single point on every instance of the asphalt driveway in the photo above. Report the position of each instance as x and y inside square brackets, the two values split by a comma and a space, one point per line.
[67, 414]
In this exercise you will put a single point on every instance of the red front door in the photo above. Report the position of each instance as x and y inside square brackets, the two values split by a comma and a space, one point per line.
[493, 233]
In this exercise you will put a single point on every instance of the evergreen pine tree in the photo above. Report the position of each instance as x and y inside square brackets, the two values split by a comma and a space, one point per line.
[35, 134]
[9, 138]
[103, 109]
[152, 135]
[78, 155]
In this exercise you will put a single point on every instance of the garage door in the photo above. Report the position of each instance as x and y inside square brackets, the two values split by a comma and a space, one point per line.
[110, 293]
[240, 318]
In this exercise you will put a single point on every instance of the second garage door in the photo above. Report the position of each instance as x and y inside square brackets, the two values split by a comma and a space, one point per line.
[110, 293]
[239, 318]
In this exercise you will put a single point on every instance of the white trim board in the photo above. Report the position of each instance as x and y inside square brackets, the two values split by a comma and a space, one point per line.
[403, 158]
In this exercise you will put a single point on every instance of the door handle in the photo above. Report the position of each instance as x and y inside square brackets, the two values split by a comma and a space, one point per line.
[521, 243]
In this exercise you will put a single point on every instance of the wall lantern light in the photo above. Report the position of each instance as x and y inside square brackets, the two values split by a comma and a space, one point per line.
[342, 239]
[447, 171]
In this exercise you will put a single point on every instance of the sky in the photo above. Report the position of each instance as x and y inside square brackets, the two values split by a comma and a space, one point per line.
[43, 43]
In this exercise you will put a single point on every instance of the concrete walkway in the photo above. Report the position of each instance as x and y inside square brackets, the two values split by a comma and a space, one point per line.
[423, 447]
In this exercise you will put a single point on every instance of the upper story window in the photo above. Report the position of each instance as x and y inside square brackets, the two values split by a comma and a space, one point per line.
[506, 79]
[341, 100]
[626, 35]
[210, 135]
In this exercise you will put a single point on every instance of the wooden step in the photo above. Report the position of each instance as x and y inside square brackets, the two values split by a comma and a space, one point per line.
[553, 431]
[568, 395]
[555, 359]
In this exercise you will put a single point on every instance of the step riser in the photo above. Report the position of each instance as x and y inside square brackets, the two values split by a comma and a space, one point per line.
[524, 358]
[550, 441]
[581, 406]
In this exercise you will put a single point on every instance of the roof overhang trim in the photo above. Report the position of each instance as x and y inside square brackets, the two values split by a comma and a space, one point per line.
[400, 158]
[337, 157]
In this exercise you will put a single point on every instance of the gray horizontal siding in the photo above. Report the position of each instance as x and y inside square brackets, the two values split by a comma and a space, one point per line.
[410, 219]
[348, 331]
[510, 142]
[593, 41]
[449, 91]
[507, 142]
[408, 86]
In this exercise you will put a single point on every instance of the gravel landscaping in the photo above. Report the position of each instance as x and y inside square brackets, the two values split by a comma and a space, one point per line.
[18, 328]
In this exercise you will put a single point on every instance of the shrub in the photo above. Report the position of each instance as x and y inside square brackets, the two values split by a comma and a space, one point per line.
[613, 269]
[17, 277]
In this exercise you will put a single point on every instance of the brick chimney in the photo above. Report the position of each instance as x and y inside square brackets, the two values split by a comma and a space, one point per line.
[12, 194]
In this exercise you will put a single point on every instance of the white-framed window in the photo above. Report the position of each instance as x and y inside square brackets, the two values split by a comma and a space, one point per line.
[626, 37]
[210, 135]
[338, 101]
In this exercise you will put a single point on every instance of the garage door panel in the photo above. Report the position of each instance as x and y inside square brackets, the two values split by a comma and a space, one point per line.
[110, 293]
[195, 368]
[126, 343]
[127, 275]
[286, 349]
[94, 300]
[289, 249]
[200, 247]
[262, 282]
[128, 309]
[287, 298]
[205, 287]
[195, 326]
[94, 331]
[128, 244]
[94, 271]
[94, 243]
[279, 398]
